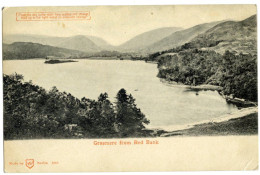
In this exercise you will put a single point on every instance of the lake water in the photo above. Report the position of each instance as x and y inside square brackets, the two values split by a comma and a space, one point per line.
[163, 105]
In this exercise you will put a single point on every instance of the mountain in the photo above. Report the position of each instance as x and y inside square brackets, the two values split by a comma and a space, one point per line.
[234, 36]
[28, 50]
[141, 41]
[79, 42]
[218, 36]
[224, 55]
[179, 38]
[101, 43]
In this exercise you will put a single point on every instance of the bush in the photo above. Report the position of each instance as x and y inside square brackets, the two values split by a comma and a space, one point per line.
[31, 112]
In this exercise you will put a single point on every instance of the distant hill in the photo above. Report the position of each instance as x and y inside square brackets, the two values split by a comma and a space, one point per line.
[101, 43]
[28, 50]
[143, 40]
[79, 42]
[234, 36]
[179, 38]
[218, 36]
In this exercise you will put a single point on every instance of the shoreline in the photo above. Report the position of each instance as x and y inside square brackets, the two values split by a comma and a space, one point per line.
[182, 129]
[246, 108]
[205, 87]
[234, 115]
[243, 112]
[240, 103]
[83, 58]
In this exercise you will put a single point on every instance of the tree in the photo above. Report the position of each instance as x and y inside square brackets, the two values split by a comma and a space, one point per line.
[129, 119]
[31, 112]
[107, 116]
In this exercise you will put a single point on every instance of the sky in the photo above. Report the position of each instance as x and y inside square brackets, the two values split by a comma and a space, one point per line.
[118, 24]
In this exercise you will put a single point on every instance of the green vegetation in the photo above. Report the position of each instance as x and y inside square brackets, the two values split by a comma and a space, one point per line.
[31, 112]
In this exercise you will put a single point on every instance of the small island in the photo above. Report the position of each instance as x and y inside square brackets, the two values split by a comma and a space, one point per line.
[56, 61]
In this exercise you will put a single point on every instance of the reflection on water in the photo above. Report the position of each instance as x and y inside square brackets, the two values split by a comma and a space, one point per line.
[163, 105]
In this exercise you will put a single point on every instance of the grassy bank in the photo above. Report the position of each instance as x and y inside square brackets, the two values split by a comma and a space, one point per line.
[246, 125]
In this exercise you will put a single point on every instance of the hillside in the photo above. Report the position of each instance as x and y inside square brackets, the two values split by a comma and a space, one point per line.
[233, 36]
[224, 55]
[79, 42]
[27, 50]
[143, 40]
[178, 38]
[101, 43]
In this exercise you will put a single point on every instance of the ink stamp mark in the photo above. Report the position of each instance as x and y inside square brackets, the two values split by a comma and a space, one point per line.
[29, 163]
[53, 16]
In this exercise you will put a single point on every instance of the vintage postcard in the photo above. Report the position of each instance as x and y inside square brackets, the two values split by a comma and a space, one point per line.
[130, 88]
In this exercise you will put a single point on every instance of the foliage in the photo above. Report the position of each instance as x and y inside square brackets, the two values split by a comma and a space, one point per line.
[31, 112]
[190, 67]
[237, 74]
[130, 119]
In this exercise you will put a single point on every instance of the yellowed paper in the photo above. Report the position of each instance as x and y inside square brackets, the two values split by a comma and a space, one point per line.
[171, 154]
[178, 84]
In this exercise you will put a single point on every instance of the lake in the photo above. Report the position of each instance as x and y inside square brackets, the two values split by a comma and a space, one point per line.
[165, 106]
